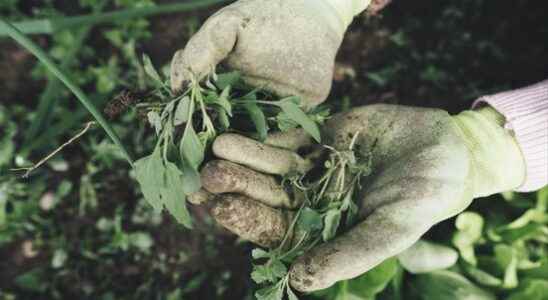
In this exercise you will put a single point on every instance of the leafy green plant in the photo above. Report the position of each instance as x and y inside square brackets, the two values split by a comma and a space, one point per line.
[187, 123]
[515, 249]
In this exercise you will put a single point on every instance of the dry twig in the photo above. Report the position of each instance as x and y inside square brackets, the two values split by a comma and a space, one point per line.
[49, 156]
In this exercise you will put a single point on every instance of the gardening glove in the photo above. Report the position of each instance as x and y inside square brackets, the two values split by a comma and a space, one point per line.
[427, 166]
[284, 46]
[243, 194]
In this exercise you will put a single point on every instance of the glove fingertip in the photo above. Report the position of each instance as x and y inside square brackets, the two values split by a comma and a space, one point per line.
[178, 74]
[250, 220]
[305, 275]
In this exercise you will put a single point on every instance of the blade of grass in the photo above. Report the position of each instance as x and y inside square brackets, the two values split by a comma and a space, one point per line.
[52, 67]
[49, 26]
[49, 97]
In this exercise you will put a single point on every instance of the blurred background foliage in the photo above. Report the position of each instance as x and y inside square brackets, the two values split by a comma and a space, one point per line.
[78, 226]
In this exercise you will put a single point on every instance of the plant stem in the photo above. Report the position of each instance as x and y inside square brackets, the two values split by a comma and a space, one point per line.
[52, 154]
[271, 103]
[49, 26]
[61, 126]
[53, 68]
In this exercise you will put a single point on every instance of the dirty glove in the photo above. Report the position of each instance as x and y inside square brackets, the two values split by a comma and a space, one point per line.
[427, 166]
[285, 46]
[247, 195]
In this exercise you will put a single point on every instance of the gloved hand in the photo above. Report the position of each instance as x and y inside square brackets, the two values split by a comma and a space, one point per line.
[285, 46]
[427, 166]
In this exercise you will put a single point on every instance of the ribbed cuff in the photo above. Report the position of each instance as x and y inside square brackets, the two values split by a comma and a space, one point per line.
[526, 112]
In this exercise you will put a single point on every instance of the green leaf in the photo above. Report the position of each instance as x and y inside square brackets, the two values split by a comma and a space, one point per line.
[447, 285]
[34, 280]
[7, 149]
[223, 118]
[259, 253]
[222, 100]
[7, 146]
[191, 148]
[470, 227]
[258, 118]
[269, 272]
[162, 186]
[532, 289]
[59, 258]
[332, 221]
[151, 71]
[542, 199]
[148, 172]
[309, 220]
[194, 284]
[377, 78]
[320, 114]
[394, 290]
[191, 179]
[155, 121]
[374, 281]
[209, 84]
[290, 294]
[63, 189]
[350, 208]
[274, 292]
[261, 274]
[510, 235]
[182, 111]
[480, 276]
[426, 256]
[88, 195]
[364, 287]
[173, 195]
[176, 294]
[278, 269]
[141, 240]
[168, 110]
[3, 206]
[295, 113]
[540, 271]
[227, 79]
[285, 123]
[507, 260]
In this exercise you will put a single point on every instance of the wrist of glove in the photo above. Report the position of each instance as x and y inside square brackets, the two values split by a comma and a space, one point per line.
[347, 9]
[497, 163]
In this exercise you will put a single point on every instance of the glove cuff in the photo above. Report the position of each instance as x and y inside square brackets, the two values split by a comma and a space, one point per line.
[497, 163]
[347, 9]
[526, 112]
